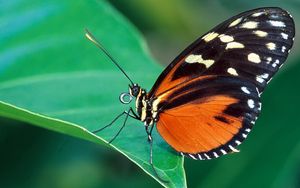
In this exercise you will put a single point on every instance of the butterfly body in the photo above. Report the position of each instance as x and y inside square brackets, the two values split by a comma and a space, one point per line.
[144, 106]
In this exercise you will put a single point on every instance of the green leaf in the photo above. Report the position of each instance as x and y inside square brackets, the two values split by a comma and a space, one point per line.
[52, 77]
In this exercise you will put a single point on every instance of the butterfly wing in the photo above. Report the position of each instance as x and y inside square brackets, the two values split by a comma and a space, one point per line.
[252, 45]
[207, 99]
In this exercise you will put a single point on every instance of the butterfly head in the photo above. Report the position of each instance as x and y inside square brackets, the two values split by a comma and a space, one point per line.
[134, 91]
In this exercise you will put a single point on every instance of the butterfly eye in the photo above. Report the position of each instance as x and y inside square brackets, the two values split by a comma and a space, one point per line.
[134, 90]
[125, 98]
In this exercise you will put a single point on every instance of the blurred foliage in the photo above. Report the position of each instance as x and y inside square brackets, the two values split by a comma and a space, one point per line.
[35, 158]
[38, 158]
[51, 77]
[171, 25]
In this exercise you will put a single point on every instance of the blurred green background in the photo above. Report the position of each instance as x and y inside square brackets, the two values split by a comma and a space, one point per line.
[270, 157]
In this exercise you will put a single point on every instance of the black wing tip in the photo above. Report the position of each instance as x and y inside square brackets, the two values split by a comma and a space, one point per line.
[267, 8]
[275, 9]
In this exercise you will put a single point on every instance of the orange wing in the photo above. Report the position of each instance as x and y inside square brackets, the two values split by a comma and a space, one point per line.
[209, 120]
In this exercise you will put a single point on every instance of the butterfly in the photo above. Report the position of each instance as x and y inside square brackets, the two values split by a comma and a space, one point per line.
[206, 101]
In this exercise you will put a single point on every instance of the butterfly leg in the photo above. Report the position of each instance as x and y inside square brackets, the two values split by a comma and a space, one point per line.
[133, 115]
[124, 123]
[150, 140]
[116, 118]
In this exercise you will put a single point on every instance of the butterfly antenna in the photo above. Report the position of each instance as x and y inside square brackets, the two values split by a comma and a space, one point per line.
[98, 44]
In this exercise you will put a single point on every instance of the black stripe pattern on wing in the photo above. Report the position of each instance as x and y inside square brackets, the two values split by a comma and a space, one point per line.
[248, 107]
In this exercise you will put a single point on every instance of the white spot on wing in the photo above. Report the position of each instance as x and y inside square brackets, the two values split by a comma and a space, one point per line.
[250, 103]
[257, 14]
[248, 130]
[250, 25]
[253, 57]
[259, 106]
[223, 151]
[226, 38]
[233, 149]
[200, 157]
[283, 48]
[192, 156]
[232, 71]
[206, 156]
[260, 33]
[259, 79]
[210, 36]
[275, 63]
[233, 45]
[276, 23]
[237, 142]
[259, 93]
[245, 89]
[235, 22]
[244, 135]
[198, 59]
[269, 59]
[208, 62]
[216, 155]
[284, 36]
[265, 76]
[271, 46]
